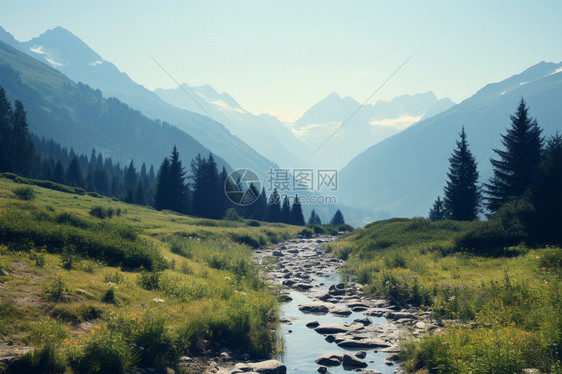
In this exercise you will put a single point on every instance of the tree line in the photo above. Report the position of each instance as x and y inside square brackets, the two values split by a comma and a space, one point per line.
[526, 180]
[199, 192]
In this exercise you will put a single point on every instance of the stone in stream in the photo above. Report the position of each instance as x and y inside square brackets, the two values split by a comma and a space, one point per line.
[316, 307]
[312, 324]
[277, 254]
[334, 329]
[289, 282]
[364, 321]
[363, 343]
[352, 361]
[341, 311]
[335, 291]
[268, 367]
[302, 286]
[401, 315]
[330, 359]
[361, 354]
[322, 369]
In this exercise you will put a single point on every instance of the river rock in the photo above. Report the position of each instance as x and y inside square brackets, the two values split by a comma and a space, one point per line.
[316, 307]
[364, 321]
[352, 361]
[362, 343]
[277, 254]
[401, 315]
[329, 359]
[332, 329]
[361, 354]
[268, 367]
[312, 324]
[341, 311]
[302, 286]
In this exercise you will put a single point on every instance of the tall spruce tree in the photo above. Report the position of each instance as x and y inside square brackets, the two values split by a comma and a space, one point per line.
[74, 175]
[437, 211]
[6, 131]
[518, 162]
[546, 194]
[163, 188]
[337, 219]
[314, 219]
[286, 216]
[297, 217]
[23, 148]
[179, 191]
[461, 193]
[273, 207]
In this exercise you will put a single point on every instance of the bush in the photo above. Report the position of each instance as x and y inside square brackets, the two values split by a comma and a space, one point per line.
[115, 277]
[149, 280]
[249, 240]
[109, 296]
[107, 353]
[101, 212]
[253, 223]
[43, 360]
[55, 290]
[181, 247]
[24, 193]
[306, 233]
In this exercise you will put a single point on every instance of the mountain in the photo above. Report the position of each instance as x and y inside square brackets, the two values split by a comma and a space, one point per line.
[78, 116]
[402, 175]
[368, 126]
[264, 133]
[65, 52]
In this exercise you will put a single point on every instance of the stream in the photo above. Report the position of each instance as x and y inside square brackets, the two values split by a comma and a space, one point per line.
[311, 291]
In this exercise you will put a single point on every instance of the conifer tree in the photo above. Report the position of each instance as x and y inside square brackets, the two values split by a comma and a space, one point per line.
[130, 176]
[162, 192]
[337, 219]
[546, 194]
[179, 192]
[6, 131]
[437, 211]
[286, 211]
[518, 162]
[273, 207]
[314, 219]
[74, 176]
[462, 193]
[23, 150]
[297, 217]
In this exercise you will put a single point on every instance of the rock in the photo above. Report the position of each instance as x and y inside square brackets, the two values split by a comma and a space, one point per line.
[335, 291]
[322, 369]
[359, 309]
[329, 359]
[352, 361]
[331, 329]
[185, 359]
[364, 321]
[377, 312]
[293, 251]
[316, 307]
[302, 286]
[340, 286]
[268, 367]
[341, 311]
[277, 254]
[288, 282]
[362, 343]
[393, 357]
[361, 354]
[401, 315]
[330, 338]
[312, 324]
[420, 325]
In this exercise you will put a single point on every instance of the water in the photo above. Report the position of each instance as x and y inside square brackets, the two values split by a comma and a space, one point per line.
[304, 345]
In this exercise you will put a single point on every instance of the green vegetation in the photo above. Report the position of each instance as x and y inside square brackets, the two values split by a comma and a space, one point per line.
[151, 285]
[501, 314]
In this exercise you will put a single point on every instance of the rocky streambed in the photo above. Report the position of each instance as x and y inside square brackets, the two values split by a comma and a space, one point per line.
[330, 326]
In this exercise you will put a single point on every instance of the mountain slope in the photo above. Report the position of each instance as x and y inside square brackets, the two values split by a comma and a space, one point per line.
[77, 116]
[404, 173]
[368, 126]
[264, 133]
[67, 53]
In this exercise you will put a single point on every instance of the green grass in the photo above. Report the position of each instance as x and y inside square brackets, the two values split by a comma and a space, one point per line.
[66, 267]
[501, 314]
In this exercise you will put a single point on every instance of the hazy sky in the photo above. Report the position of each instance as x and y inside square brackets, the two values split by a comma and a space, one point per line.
[283, 56]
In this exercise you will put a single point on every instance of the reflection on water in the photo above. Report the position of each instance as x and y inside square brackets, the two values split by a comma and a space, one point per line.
[303, 345]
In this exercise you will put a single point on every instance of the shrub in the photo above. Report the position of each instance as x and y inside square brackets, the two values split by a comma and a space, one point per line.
[249, 240]
[115, 277]
[43, 360]
[107, 353]
[55, 290]
[24, 193]
[67, 257]
[149, 280]
[306, 233]
[253, 223]
[180, 247]
[232, 215]
[152, 335]
[109, 296]
[101, 212]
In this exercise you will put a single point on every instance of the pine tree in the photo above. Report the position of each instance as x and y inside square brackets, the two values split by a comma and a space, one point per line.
[179, 192]
[58, 173]
[297, 217]
[518, 163]
[139, 194]
[23, 149]
[546, 194]
[462, 194]
[6, 131]
[437, 211]
[273, 207]
[74, 176]
[162, 192]
[314, 219]
[130, 176]
[337, 219]
[286, 211]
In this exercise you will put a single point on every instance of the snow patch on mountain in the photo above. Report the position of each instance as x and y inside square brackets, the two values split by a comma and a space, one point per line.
[52, 62]
[402, 122]
[38, 50]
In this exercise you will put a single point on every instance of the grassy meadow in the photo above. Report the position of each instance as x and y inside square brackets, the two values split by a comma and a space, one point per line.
[96, 285]
[500, 314]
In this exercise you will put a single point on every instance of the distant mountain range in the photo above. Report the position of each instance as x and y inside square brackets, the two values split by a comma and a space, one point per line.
[265, 133]
[77, 116]
[65, 52]
[371, 124]
[403, 174]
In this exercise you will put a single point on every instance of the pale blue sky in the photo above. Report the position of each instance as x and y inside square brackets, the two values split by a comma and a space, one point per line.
[276, 56]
